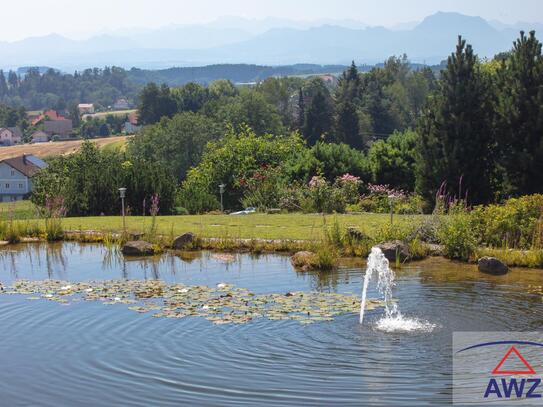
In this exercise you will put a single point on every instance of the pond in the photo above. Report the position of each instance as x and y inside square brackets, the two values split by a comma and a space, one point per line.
[86, 353]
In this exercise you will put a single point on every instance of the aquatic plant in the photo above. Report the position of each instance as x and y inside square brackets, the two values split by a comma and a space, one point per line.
[222, 304]
[53, 213]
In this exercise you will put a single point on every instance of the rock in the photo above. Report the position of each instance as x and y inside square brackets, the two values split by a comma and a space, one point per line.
[395, 249]
[273, 211]
[138, 248]
[303, 260]
[356, 234]
[29, 240]
[181, 242]
[492, 265]
[4, 242]
[435, 249]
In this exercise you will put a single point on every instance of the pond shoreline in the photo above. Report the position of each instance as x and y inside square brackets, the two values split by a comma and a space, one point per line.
[163, 243]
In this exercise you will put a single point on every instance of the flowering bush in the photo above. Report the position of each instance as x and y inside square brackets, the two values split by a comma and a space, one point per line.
[349, 185]
[383, 198]
[263, 189]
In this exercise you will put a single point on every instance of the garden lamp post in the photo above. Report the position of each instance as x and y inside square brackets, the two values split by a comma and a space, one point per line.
[391, 201]
[221, 191]
[122, 193]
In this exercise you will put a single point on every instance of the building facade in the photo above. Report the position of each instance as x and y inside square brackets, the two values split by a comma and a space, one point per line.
[16, 177]
[10, 136]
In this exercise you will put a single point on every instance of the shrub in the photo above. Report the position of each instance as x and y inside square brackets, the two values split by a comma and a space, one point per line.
[263, 189]
[319, 196]
[515, 224]
[380, 198]
[230, 161]
[428, 230]
[456, 234]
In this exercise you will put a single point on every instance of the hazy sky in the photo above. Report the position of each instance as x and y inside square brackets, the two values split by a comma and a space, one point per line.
[38, 17]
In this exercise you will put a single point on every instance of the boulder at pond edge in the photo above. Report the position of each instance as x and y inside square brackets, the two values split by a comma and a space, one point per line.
[138, 248]
[395, 249]
[181, 242]
[492, 265]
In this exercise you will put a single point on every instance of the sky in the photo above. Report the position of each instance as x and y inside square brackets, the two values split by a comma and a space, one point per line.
[83, 18]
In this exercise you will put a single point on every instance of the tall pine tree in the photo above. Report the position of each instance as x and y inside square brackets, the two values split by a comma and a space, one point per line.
[3, 85]
[456, 143]
[347, 128]
[520, 116]
[318, 119]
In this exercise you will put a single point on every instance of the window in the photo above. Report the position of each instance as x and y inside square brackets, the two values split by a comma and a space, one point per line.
[21, 186]
[7, 186]
[12, 173]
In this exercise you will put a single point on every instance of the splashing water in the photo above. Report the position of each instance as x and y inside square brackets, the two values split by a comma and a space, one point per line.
[393, 321]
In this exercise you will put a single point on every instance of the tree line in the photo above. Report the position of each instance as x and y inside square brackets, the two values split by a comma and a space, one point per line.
[473, 132]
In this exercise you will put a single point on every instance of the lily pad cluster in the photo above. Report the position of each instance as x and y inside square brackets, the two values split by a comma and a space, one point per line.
[222, 304]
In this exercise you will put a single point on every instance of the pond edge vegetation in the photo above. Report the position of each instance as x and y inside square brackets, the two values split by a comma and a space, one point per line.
[511, 232]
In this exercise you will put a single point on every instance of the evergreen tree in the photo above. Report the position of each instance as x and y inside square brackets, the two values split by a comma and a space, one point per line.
[13, 80]
[456, 134]
[3, 84]
[347, 126]
[318, 118]
[520, 115]
[301, 110]
[347, 129]
[74, 116]
[155, 103]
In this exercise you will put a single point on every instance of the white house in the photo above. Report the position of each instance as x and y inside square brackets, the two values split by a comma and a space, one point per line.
[86, 108]
[15, 176]
[10, 136]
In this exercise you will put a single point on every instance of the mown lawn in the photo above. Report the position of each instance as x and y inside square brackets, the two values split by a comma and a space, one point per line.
[264, 226]
[17, 210]
[284, 226]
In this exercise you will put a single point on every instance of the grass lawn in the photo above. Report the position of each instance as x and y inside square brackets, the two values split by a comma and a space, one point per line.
[115, 146]
[264, 226]
[17, 210]
[287, 226]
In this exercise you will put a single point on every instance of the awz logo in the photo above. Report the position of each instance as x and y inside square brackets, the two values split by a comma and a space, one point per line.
[511, 387]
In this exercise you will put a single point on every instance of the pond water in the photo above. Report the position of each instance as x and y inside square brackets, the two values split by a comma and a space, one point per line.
[90, 354]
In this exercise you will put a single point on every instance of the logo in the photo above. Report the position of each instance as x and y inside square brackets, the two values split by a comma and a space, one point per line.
[497, 370]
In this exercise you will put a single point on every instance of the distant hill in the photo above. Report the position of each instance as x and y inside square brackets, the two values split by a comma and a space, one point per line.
[237, 73]
[268, 42]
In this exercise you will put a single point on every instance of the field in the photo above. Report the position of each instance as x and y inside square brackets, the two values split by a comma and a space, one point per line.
[103, 115]
[263, 226]
[55, 148]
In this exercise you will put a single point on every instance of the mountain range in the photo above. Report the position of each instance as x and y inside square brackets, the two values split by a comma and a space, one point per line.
[267, 42]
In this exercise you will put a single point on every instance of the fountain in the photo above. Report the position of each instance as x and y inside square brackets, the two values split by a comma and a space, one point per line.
[393, 320]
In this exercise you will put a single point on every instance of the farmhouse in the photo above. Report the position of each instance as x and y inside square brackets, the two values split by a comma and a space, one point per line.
[58, 127]
[10, 136]
[15, 176]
